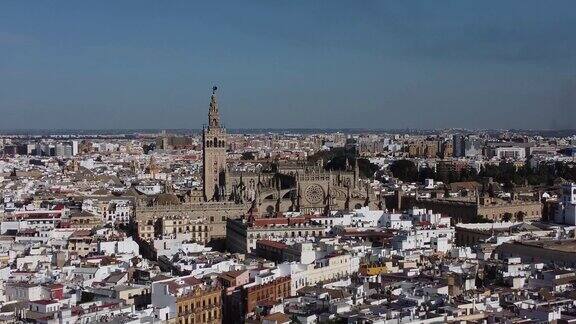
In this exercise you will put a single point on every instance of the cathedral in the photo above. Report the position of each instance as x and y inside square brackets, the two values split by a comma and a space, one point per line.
[283, 187]
[287, 187]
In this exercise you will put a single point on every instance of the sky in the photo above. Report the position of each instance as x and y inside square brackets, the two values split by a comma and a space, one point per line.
[288, 64]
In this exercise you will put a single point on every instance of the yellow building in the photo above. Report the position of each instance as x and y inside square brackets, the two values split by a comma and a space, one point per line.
[203, 305]
[373, 269]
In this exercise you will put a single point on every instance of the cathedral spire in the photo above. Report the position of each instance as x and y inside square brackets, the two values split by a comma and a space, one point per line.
[213, 115]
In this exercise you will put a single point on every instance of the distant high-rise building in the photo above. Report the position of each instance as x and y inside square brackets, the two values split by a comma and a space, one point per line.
[45, 150]
[468, 146]
[59, 149]
[68, 150]
[75, 148]
[65, 149]
[472, 146]
[446, 149]
[458, 145]
[30, 149]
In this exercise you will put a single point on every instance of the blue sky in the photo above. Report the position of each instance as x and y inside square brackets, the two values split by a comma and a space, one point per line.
[281, 64]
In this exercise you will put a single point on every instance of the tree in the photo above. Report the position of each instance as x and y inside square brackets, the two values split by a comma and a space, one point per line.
[404, 170]
[367, 169]
[340, 158]
[468, 174]
[507, 217]
[148, 147]
[480, 219]
[426, 173]
[248, 156]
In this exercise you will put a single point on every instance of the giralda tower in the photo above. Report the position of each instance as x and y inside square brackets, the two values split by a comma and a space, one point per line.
[214, 154]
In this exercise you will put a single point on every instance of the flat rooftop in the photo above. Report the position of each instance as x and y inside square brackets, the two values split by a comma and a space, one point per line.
[556, 245]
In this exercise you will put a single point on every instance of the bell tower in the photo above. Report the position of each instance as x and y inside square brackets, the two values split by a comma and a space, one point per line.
[214, 142]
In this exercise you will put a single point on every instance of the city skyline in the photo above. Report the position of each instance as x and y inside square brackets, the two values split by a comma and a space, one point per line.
[287, 162]
[303, 65]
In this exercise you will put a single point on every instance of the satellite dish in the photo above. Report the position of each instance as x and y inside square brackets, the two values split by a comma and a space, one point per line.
[214, 88]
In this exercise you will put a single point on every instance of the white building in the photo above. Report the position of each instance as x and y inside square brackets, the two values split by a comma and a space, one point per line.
[126, 246]
[25, 291]
[515, 153]
[119, 211]
[111, 211]
[439, 240]
[566, 212]
[328, 268]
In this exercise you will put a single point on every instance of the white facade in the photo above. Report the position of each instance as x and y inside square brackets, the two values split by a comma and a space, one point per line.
[113, 211]
[169, 245]
[439, 239]
[515, 153]
[25, 291]
[126, 246]
[163, 300]
[328, 268]
[119, 211]
[566, 212]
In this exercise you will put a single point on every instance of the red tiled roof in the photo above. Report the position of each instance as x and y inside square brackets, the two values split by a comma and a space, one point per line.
[274, 244]
[174, 285]
[81, 233]
[233, 273]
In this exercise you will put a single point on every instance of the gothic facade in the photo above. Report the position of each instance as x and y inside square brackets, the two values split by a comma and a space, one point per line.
[284, 187]
[302, 187]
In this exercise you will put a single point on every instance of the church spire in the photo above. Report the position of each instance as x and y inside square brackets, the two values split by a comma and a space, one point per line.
[213, 115]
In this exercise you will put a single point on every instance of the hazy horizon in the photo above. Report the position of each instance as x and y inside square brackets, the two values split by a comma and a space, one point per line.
[290, 65]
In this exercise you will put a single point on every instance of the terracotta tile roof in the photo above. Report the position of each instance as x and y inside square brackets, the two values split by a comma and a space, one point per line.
[274, 244]
[233, 273]
[278, 318]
